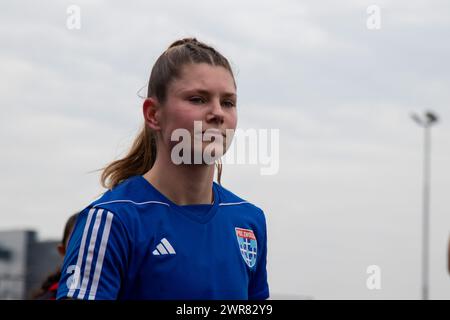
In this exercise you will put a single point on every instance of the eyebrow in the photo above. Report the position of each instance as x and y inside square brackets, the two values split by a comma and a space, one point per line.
[206, 92]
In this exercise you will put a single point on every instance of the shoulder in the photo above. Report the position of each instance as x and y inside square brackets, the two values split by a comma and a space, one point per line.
[129, 199]
[228, 199]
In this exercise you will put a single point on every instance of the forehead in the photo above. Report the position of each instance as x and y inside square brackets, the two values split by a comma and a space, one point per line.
[204, 77]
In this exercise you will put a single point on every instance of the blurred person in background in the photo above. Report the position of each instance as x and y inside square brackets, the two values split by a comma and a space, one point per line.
[49, 287]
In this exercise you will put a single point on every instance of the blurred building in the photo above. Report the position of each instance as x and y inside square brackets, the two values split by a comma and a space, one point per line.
[24, 263]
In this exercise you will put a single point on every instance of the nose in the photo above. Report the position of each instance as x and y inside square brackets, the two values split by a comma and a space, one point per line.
[216, 113]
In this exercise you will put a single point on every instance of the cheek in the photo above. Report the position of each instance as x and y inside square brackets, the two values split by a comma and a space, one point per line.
[181, 119]
[232, 120]
[185, 120]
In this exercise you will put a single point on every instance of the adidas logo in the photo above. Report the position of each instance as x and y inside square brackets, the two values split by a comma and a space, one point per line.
[164, 247]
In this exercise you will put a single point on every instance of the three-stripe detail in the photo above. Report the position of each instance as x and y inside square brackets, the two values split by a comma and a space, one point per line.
[164, 247]
[95, 216]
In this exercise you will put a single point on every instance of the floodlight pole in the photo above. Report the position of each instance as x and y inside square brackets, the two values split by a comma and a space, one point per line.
[426, 123]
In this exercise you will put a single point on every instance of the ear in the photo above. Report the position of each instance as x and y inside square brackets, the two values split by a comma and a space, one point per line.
[61, 249]
[152, 113]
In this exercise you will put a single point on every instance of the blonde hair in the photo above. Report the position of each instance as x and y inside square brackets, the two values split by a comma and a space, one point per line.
[142, 154]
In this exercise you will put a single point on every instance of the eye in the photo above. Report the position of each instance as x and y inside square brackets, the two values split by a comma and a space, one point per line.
[196, 100]
[229, 103]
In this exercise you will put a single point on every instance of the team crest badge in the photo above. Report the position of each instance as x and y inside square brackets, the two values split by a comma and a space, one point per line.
[247, 245]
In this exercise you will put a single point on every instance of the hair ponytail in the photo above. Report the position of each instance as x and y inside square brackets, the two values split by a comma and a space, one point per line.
[139, 159]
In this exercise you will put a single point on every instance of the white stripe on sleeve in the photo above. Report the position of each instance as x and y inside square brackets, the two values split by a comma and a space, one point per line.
[90, 255]
[81, 253]
[101, 256]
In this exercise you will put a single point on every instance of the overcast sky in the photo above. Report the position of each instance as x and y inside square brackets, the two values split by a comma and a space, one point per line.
[348, 191]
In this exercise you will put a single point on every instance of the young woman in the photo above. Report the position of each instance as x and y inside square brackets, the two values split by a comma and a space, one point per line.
[165, 229]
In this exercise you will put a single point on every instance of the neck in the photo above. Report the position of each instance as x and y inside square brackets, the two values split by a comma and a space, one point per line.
[182, 184]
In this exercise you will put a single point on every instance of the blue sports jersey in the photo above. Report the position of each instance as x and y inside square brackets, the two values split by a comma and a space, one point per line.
[134, 243]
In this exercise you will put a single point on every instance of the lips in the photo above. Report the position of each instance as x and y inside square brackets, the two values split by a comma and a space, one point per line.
[214, 132]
